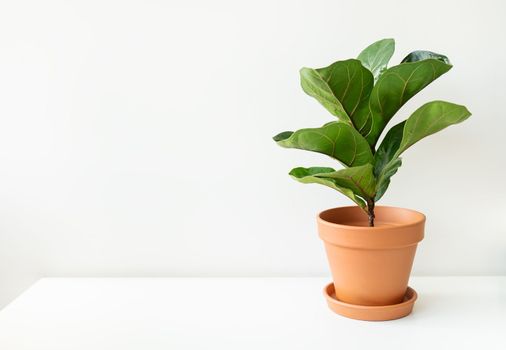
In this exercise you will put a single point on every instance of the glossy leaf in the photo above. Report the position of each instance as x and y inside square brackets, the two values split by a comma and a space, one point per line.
[343, 88]
[384, 169]
[306, 176]
[421, 55]
[359, 179]
[356, 183]
[336, 139]
[386, 151]
[429, 119]
[383, 180]
[394, 88]
[426, 120]
[375, 57]
[315, 86]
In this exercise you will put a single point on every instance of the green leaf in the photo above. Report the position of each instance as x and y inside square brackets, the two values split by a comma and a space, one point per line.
[343, 88]
[359, 179]
[356, 183]
[426, 120]
[282, 136]
[335, 139]
[304, 175]
[386, 151]
[429, 119]
[383, 180]
[421, 55]
[375, 57]
[394, 88]
[315, 86]
[384, 167]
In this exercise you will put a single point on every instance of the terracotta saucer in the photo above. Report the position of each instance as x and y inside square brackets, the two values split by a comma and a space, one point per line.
[370, 313]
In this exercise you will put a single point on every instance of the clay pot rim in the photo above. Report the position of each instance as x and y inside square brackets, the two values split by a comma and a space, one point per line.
[421, 219]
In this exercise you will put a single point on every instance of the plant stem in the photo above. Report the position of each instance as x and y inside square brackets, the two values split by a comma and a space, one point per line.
[370, 212]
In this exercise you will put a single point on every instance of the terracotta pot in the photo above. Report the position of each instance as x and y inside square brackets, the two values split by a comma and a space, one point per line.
[371, 265]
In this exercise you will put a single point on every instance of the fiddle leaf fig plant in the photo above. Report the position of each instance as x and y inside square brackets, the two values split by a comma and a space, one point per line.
[363, 95]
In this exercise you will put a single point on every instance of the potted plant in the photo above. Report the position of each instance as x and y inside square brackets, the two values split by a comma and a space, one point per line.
[370, 248]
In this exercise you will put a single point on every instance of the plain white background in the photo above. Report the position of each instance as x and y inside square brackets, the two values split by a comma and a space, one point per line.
[135, 136]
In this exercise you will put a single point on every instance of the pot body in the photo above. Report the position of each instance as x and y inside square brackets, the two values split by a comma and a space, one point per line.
[371, 265]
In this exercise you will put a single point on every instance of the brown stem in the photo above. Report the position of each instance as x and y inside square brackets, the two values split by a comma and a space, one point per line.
[370, 212]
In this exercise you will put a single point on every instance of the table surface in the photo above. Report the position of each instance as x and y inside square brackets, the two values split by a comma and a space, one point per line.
[245, 313]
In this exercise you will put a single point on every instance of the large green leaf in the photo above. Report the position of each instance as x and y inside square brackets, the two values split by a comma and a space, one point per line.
[383, 180]
[386, 151]
[357, 183]
[375, 57]
[315, 86]
[359, 179]
[343, 88]
[384, 167]
[426, 120]
[421, 55]
[335, 139]
[394, 88]
[429, 119]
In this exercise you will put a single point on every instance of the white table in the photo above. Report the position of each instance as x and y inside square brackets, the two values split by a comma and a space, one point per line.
[245, 313]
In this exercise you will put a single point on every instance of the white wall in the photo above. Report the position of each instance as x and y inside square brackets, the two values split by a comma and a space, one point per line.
[135, 136]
